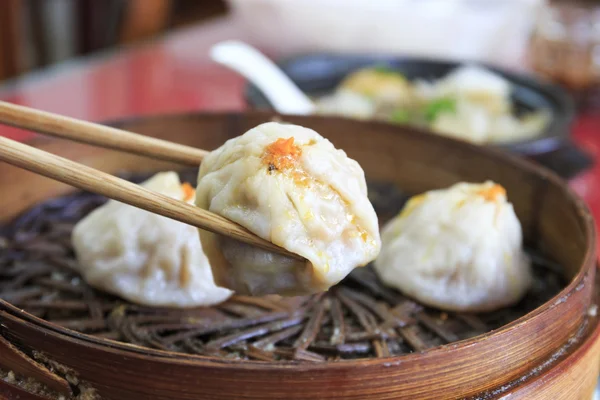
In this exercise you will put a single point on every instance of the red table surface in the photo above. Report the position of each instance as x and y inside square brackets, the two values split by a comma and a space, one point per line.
[174, 74]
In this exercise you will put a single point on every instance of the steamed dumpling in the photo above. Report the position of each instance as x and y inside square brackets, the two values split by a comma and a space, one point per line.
[474, 85]
[378, 84]
[143, 257]
[289, 185]
[457, 249]
[347, 103]
[363, 94]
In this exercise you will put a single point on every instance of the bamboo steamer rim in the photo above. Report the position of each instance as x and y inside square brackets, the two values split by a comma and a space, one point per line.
[581, 279]
[582, 210]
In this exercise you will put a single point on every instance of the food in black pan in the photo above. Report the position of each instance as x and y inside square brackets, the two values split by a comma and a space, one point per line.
[470, 103]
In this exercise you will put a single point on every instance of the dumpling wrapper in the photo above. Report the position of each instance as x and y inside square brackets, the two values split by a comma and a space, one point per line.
[378, 84]
[476, 85]
[143, 257]
[289, 185]
[458, 249]
[346, 103]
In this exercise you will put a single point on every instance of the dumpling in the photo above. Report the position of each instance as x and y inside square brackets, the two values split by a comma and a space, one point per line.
[473, 84]
[346, 103]
[468, 122]
[368, 93]
[458, 249]
[143, 257]
[379, 84]
[289, 185]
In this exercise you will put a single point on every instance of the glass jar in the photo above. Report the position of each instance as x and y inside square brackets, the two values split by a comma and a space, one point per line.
[565, 46]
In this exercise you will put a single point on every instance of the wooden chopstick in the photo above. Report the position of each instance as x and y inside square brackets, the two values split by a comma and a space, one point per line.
[90, 179]
[99, 135]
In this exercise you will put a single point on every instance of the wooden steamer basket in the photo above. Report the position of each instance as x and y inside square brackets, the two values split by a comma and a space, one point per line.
[552, 352]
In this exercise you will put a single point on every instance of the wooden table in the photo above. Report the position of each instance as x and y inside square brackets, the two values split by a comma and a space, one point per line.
[174, 74]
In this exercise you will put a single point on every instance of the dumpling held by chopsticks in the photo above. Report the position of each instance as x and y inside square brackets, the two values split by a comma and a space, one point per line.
[289, 185]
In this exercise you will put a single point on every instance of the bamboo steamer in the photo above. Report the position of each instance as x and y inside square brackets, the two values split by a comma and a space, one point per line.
[552, 352]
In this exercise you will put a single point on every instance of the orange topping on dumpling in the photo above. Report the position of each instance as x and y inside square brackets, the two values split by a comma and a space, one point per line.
[492, 193]
[282, 154]
[188, 191]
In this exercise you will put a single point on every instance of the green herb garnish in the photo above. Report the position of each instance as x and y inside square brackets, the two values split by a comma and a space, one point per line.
[400, 116]
[384, 69]
[439, 106]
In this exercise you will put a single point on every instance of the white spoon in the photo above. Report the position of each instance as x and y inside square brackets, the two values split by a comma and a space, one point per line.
[282, 93]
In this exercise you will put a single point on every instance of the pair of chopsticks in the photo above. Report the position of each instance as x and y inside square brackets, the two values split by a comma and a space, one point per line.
[92, 180]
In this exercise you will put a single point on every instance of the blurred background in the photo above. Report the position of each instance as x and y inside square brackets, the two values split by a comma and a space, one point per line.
[37, 33]
[110, 59]
[557, 39]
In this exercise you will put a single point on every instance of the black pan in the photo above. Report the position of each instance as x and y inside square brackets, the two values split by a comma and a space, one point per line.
[318, 74]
